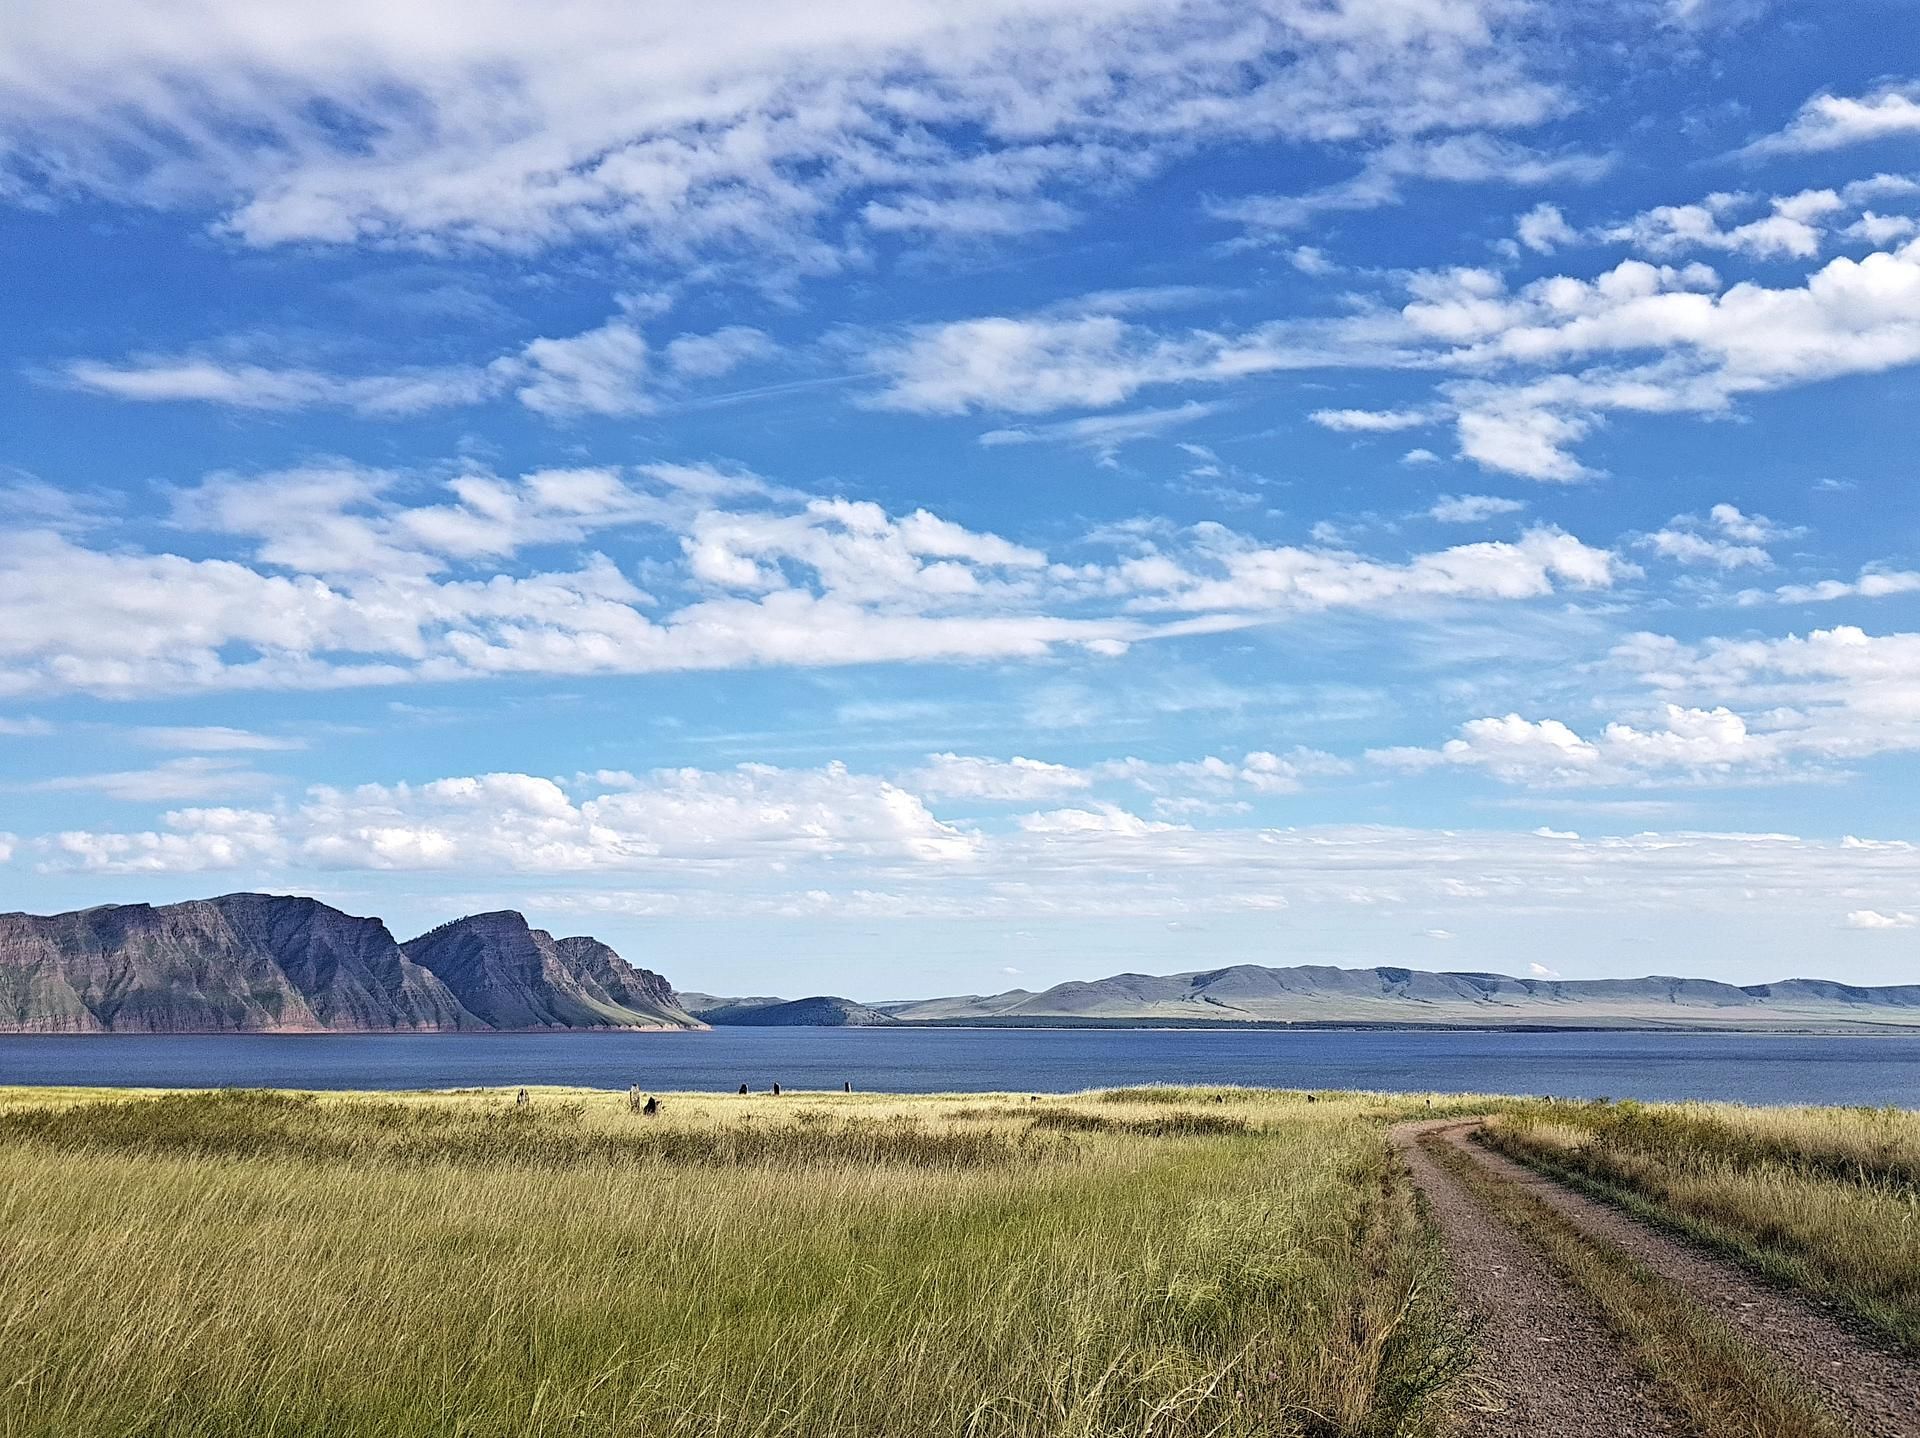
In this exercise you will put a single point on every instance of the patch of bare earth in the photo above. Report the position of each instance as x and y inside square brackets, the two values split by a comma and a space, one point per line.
[1544, 1363]
[1878, 1392]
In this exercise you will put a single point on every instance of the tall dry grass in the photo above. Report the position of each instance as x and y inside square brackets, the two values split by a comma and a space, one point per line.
[1824, 1199]
[829, 1267]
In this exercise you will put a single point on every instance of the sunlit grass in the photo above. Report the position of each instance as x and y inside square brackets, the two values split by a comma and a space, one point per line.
[1825, 1199]
[1156, 1263]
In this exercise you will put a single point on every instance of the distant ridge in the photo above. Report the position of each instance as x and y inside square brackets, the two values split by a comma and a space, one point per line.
[1390, 996]
[820, 1011]
[270, 963]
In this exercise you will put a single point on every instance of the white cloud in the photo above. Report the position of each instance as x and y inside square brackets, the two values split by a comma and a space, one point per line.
[1726, 539]
[1692, 743]
[1104, 434]
[211, 738]
[1528, 373]
[352, 585]
[1015, 780]
[1794, 229]
[832, 841]
[172, 782]
[751, 816]
[606, 370]
[1226, 572]
[1541, 971]
[240, 385]
[1471, 508]
[696, 130]
[1368, 421]
[1874, 919]
[1689, 546]
[1455, 159]
[1872, 584]
[1543, 229]
[1832, 694]
[1830, 122]
[726, 349]
[600, 371]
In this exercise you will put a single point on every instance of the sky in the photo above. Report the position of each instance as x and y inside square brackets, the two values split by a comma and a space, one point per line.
[899, 498]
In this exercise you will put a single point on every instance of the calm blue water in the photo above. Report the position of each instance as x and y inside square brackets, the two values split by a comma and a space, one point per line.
[1744, 1067]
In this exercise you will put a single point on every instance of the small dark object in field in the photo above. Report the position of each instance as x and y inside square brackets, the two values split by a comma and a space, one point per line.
[1311, 1098]
[522, 1099]
[653, 1106]
[743, 1088]
[847, 1087]
[1219, 1098]
[776, 1090]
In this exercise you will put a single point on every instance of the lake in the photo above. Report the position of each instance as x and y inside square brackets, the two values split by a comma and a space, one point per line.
[1749, 1068]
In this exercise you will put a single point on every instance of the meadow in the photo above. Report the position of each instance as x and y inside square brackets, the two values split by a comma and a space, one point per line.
[1151, 1262]
[1823, 1199]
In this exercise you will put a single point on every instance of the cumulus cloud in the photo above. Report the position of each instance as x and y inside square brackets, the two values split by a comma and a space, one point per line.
[1690, 743]
[1726, 539]
[357, 578]
[1016, 780]
[1543, 229]
[1526, 374]
[1872, 584]
[1794, 229]
[1831, 122]
[1874, 919]
[829, 841]
[1472, 508]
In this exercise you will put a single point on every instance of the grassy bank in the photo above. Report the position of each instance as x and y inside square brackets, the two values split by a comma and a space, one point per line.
[1165, 1262]
[1824, 1199]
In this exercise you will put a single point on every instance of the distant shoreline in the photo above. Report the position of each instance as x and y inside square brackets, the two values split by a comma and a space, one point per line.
[1862, 1029]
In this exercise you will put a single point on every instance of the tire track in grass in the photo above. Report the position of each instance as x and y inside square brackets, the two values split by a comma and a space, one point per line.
[1544, 1362]
[1877, 1390]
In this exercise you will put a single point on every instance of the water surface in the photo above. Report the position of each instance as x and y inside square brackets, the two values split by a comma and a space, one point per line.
[1750, 1068]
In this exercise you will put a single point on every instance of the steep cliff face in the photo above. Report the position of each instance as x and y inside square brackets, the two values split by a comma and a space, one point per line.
[242, 962]
[514, 976]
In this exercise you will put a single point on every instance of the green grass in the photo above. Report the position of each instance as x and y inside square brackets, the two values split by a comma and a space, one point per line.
[1826, 1200]
[1704, 1371]
[1153, 1263]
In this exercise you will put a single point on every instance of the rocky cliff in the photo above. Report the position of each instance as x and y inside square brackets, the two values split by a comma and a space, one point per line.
[514, 976]
[265, 963]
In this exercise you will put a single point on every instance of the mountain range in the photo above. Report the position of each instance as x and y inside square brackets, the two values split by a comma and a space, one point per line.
[268, 963]
[1384, 996]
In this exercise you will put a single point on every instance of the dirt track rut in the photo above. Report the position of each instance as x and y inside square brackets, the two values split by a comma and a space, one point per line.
[1543, 1365]
[1875, 1391]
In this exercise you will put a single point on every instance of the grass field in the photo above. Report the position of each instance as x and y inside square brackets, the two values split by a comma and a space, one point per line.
[1155, 1262]
[1824, 1199]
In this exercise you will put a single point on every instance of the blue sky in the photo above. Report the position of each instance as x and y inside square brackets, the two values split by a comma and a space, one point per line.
[932, 499]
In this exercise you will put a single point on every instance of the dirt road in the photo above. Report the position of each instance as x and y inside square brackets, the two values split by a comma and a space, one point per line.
[1549, 1367]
